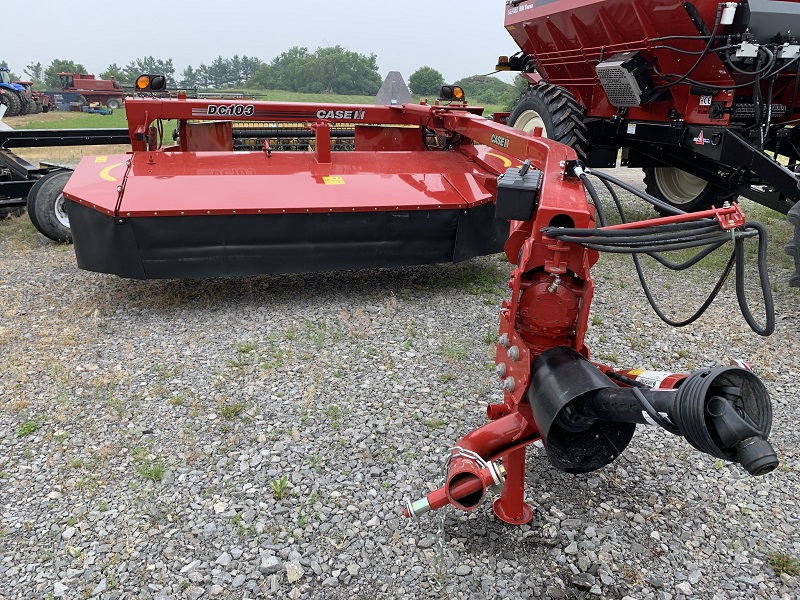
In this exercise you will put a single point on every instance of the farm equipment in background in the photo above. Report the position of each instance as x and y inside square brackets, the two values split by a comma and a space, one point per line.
[702, 95]
[42, 102]
[108, 92]
[430, 183]
[15, 96]
[38, 187]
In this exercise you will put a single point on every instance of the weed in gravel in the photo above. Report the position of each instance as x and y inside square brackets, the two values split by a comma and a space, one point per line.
[783, 563]
[27, 428]
[280, 487]
[316, 331]
[334, 412]
[454, 352]
[246, 347]
[231, 411]
[434, 423]
[609, 356]
[153, 470]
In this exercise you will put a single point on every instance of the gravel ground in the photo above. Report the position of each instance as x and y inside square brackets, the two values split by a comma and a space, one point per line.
[255, 437]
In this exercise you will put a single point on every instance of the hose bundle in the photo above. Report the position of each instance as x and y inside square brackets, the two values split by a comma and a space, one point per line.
[705, 233]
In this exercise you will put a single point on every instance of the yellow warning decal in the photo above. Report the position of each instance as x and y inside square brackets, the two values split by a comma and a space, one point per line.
[100, 159]
[636, 372]
[106, 173]
[333, 180]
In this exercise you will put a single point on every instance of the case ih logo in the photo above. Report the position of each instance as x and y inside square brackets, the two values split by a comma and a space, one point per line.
[500, 141]
[350, 115]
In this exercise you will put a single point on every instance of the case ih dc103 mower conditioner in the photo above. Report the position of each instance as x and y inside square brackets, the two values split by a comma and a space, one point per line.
[427, 183]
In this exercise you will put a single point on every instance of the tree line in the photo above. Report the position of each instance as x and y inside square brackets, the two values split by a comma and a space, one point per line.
[331, 69]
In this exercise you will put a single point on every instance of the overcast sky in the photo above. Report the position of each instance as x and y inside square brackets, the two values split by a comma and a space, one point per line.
[458, 38]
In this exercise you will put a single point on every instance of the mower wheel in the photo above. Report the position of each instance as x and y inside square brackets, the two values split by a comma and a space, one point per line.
[113, 103]
[12, 103]
[47, 207]
[556, 111]
[683, 190]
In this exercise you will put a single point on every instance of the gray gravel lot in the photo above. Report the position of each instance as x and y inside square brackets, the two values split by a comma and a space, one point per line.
[243, 438]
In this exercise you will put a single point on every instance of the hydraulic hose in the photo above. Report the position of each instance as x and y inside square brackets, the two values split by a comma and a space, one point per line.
[676, 236]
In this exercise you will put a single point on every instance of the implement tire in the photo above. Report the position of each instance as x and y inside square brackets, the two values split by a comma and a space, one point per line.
[683, 190]
[556, 111]
[47, 207]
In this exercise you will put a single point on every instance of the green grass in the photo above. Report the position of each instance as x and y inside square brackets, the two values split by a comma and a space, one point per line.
[27, 428]
[152, 470]
[76, 120]
[783, 563]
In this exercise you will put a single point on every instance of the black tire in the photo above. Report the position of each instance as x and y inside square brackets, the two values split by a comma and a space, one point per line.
[47, 207]
[113, 103]
[82, 100]
[556, 111]
[24, 103]
[38, 104]
[683, 190]
[11, 100]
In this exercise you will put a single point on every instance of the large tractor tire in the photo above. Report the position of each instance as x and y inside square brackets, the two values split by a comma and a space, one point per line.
[47, 207]
[556, 111]
[12, 103]
[29, 103]
[683, 190]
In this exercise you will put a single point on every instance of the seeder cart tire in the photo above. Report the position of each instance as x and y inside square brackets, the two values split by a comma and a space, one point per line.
[47, 208]
[683, 190]
[556, 111]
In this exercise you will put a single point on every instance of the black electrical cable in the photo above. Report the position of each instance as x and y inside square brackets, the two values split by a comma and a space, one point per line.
[758, 70]
[657, 418]
[663, 206]
[626, 380]
[601, 216]
[710, 43]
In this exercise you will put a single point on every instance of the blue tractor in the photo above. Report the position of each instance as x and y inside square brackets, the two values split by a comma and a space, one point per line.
[13, 95]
